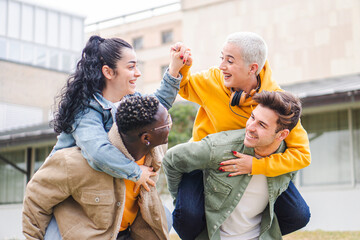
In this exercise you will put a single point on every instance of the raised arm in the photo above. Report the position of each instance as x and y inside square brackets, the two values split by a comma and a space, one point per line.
[170, 83]
[47, 188]
[185, 158]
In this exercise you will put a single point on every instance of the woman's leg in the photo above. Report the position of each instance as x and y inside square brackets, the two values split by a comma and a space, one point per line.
[291, 210]
[189, 212]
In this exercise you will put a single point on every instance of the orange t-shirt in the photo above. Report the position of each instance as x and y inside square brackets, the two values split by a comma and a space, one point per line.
[131, 206]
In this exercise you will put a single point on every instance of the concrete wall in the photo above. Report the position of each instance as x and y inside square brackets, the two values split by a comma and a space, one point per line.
[154, 54]
[10, 222]
[306, 39]
[29, 86]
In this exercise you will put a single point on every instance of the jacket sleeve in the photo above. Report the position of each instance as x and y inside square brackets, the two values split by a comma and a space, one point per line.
[193, 85]
[47, 188]
[296, 156]
[168, 90]
[185, 158]
[91, 137]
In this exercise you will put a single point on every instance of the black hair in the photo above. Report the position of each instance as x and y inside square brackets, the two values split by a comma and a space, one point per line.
[87, 79]
[136, 112]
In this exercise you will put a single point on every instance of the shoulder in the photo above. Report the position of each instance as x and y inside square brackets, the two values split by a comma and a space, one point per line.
[227, 137]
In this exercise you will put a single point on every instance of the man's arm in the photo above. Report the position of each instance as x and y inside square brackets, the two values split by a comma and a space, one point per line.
[47, 188]
[185, 158]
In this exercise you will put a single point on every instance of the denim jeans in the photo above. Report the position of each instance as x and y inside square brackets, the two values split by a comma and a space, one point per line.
[52, 232]
[189, 214]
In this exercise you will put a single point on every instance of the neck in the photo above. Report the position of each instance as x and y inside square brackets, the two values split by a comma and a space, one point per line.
[111, 95]
[136, 149]
[251, 84]
[261, 152]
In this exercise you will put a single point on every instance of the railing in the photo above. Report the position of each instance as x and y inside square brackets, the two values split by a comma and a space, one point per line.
[135, 16]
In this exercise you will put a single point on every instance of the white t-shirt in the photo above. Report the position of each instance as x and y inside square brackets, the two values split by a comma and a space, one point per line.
[244, 222]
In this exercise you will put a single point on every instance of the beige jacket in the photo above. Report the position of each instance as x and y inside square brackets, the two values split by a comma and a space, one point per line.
[88, 204]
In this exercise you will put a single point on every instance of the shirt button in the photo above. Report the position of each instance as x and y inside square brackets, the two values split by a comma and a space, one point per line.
[118, 204]
[228, 211]
[97, 199]
[238, 194]
[215, 227]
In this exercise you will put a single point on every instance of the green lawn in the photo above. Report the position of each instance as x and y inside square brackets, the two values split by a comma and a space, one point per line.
[312, 235]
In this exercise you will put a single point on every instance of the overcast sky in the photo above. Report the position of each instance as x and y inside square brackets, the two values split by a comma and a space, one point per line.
[100, 9]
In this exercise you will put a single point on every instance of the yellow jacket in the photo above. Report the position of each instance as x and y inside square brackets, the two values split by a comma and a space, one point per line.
[215, 114]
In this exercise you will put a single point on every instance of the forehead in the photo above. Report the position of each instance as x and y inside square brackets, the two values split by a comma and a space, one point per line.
[265, 115]
[162, 114]
[128, 55]
[231, 49]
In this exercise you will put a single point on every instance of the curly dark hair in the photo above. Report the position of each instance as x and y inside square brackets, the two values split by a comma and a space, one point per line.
[136, 112]
[286, 105]
[87, 79]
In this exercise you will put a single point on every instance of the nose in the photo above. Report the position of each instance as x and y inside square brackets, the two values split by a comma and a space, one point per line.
[222, 65]
[137, 72]
[250, 125]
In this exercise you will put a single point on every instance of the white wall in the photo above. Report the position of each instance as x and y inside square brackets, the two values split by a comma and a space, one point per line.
[10, 222]
[333, 209]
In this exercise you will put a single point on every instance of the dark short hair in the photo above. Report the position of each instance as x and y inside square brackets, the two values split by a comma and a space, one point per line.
[286, 105]
[136, 112]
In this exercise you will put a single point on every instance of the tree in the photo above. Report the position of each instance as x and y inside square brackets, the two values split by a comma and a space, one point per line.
[183, 116]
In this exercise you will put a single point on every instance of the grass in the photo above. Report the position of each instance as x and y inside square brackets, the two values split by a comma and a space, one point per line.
[311, 235]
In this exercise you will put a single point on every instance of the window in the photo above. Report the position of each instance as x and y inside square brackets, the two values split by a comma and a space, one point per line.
[27, 23]
[27, 53]
[3, 16]
[65, 33]
[14, 50]
[356, 144]
[12, 181]
[40, 22]
[41, 154]
[53, 29]
[167, 36]
[14, 20]
[329, 135]
[138, 43]
[2, 48]
[77, 33]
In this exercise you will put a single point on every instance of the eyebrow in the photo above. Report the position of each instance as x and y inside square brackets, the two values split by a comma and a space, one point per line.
[132, 61]
[228, 55]
[267, 125]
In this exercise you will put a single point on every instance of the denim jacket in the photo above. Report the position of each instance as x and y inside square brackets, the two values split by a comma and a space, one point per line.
[222, 193]
[92, 126]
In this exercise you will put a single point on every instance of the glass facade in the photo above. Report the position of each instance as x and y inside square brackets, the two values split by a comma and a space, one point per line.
[13, 181]
[40, 37]
[334, 160]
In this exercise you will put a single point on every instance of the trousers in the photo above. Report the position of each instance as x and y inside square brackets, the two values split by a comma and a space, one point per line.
[290, 208]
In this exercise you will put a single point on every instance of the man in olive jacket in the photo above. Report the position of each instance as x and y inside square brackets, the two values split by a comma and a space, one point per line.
[239, 207]
[89, 204]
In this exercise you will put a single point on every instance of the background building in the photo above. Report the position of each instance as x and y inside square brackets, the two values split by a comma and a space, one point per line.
[38, 49]
[314, 52]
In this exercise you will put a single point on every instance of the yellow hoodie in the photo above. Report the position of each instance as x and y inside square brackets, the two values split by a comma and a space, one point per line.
[215, 114]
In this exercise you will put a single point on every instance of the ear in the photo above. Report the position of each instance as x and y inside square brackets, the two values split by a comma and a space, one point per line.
[145, 138]
[107, 71]
[283, 134]
[253, 68]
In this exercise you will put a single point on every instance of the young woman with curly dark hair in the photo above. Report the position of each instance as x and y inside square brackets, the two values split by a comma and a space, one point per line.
[106, 72]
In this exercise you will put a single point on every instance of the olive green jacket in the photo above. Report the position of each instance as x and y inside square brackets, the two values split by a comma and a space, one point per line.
[222, 193]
